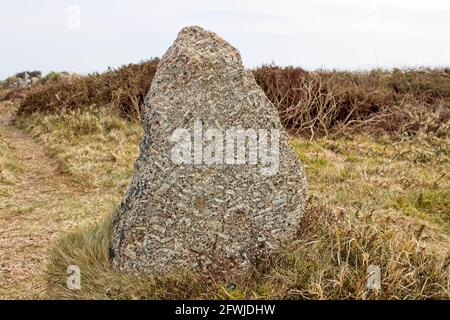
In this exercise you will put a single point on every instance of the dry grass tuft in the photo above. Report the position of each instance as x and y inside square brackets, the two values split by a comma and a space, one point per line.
[95, 145]
[376, 102]
[328, 261]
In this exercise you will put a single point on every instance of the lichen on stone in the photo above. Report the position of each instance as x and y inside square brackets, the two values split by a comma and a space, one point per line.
[208, 217]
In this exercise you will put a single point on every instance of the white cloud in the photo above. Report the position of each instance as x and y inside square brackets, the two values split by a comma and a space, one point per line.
[312, 34]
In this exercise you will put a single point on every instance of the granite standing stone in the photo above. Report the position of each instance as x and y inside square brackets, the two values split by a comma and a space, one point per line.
[217, 217]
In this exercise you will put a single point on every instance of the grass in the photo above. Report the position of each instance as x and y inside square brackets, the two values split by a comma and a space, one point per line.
[43, 193]
[374, 200]
[96, 146]
[9, 164]
[9, 167]
[328, 261]
[426, 203]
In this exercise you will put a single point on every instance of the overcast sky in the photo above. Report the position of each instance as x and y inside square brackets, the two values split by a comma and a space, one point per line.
[85, 36]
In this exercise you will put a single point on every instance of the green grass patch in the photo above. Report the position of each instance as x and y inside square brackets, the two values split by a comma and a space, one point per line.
[9, 164]
[430, 204]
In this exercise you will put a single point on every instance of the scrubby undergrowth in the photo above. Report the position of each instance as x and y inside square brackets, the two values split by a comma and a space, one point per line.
[312, 103]
[377, 101]
[122, 89]
[327, 261]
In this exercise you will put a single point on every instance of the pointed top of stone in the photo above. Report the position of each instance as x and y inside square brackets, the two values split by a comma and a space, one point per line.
[199, 45]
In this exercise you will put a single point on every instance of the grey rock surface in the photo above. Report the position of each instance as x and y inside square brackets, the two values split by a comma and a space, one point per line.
[216, 217]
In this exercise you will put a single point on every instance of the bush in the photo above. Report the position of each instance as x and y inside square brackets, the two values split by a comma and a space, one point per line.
[376, 101]
[310, 103]
[124, 89]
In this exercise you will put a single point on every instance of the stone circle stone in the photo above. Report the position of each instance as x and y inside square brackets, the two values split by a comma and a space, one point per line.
[217, 211]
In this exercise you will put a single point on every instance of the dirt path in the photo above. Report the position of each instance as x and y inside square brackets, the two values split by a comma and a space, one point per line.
[29, 221]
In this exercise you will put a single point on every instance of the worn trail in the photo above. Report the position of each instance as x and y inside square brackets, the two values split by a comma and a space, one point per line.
[29, 220]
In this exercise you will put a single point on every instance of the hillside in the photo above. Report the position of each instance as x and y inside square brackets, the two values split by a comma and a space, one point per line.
[375, 145]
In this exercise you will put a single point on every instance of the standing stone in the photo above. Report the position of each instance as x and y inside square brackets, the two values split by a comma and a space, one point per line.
[187, 205]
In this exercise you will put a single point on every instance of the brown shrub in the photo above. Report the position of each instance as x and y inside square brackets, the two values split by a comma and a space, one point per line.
[309, 103]
[13, 94]
[124, 89]
[375, 101]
